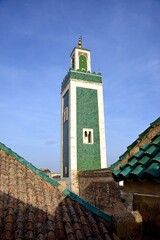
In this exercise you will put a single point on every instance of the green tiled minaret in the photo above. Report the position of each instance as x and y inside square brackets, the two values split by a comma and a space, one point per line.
[83, 144]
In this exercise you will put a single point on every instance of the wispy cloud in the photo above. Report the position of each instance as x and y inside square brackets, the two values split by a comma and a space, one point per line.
[51, 142]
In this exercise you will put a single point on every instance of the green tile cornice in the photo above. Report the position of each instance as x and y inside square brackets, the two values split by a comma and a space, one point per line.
[84, 76]
[87, 117]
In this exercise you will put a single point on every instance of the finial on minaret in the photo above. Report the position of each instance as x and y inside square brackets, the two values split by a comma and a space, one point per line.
[80, 42]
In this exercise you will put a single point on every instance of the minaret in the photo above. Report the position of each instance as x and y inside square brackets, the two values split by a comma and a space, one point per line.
[83, 145]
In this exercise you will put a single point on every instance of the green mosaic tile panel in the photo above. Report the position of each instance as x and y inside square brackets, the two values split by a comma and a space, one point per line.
[88, 155]
[86, 76]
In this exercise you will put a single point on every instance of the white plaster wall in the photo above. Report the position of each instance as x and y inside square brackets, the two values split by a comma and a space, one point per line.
[102, 128]
[73, 127]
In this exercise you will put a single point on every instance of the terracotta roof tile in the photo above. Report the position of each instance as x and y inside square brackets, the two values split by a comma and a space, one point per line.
[33, 207]
[79, 235]
[51, 235]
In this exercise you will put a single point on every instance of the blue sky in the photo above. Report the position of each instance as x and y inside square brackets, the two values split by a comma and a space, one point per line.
[36, 39]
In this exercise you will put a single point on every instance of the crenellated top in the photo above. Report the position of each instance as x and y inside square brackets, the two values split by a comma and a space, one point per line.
[81, 76]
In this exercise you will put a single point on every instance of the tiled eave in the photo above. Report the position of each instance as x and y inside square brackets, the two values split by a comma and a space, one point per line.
[142, 139]
[142, 166]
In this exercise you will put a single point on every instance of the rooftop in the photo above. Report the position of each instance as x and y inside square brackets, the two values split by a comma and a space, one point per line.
[143, 139]
[35, 206]
[142, 166]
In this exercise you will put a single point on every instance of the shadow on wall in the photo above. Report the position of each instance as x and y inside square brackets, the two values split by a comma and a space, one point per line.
[149, 207]
[105, 196]
[19, 220]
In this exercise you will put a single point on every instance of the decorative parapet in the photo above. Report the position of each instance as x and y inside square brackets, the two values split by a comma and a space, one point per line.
[84, 76]
[128, 225]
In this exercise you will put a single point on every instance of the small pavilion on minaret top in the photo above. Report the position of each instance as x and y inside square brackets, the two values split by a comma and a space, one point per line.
[83, 144]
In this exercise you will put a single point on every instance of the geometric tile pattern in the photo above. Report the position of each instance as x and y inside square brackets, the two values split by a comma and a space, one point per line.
[33, 206]
[142, 166]
[88, 155]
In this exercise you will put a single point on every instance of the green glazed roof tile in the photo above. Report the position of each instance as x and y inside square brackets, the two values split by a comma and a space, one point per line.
[157, 157]
[135, 143]
[144, 165]
[138, 171]
[123, 166]
[132, 145]
[112, 167]
[145, 160]
[157, 140]
[152, 150]
[126, 172]
[139, 154]
[123, 155]
[156, 122]
[133, 162]
[154, 170]
[117, 172]
[145, 147]
[144, 133]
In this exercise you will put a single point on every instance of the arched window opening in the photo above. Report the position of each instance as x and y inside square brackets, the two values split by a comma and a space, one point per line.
[82, 63]
[88, 136]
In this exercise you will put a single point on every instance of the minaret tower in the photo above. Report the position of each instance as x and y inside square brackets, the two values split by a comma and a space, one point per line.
[83, 145]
